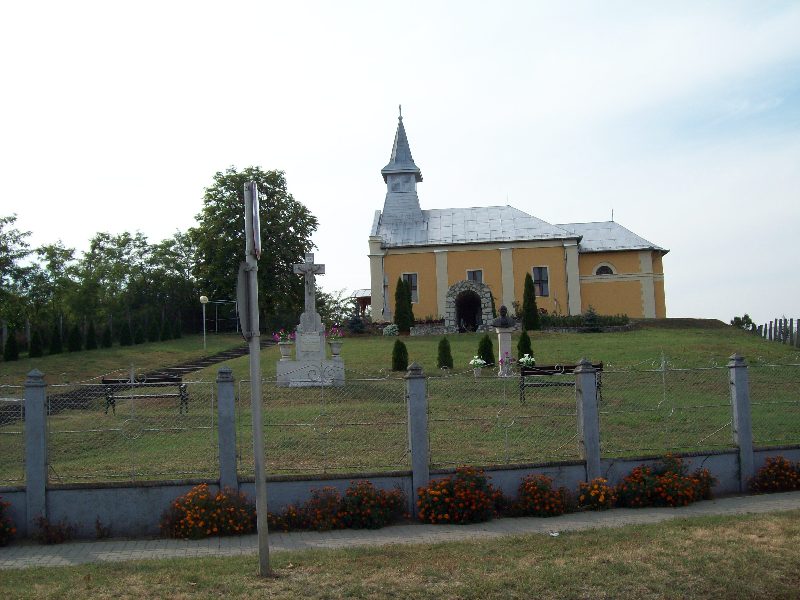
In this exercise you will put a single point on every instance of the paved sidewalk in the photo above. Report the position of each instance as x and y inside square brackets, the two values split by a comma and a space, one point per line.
[22, 555]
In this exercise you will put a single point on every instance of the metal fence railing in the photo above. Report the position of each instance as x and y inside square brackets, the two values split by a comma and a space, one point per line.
[318, 427]
[775, 404]
[483, 420]
[132, 431]
[12, 438]
[665, 410]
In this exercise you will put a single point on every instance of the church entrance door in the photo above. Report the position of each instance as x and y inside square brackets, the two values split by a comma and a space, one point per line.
[468, 311]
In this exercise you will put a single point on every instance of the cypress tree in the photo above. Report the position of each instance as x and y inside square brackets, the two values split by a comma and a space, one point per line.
[154, 331]
[524, 345]
[74, 339]
[177, 330]
[444, 360]
[486, 349]
[36, 349]
[399, 356]
[91, 337]
[105, 340]
[166, 331]
[138, 334]
[402, 314]
[530, 313]
[55, 340]
[125, 338]
[11, 350]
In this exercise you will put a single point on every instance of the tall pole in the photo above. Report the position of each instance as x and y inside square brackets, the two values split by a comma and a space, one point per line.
[204, 301]
[250, 209]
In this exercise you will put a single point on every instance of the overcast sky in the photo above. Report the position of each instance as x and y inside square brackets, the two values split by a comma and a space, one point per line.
[684, 119]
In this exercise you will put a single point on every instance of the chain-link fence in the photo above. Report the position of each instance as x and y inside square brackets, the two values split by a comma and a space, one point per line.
[775, 404]
[494, 420]
[131, 431]
[663, 410]
[12, 435]
[318, 427]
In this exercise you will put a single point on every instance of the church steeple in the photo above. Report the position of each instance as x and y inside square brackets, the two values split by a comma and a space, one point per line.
[401, 176]
[401, 160]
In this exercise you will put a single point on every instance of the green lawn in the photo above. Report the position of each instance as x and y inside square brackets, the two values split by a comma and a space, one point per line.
[738, 557]
[362, 426]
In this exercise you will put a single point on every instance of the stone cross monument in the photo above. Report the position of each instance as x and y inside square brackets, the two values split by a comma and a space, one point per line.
[311, 366]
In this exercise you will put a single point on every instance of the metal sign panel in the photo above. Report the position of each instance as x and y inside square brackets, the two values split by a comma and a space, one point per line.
[243, 301]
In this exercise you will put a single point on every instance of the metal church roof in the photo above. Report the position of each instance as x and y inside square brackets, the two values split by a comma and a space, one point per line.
[401, 160]
[608, 236]
[467, 225]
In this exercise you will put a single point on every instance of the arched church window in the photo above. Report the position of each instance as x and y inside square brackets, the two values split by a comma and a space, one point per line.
[604, 270]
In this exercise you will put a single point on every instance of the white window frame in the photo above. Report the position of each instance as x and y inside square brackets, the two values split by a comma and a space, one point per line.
[533, 276]
[475, 271]
[604, 264]
[414, 292]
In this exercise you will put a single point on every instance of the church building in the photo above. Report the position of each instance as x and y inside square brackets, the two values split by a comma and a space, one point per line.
[457, 259]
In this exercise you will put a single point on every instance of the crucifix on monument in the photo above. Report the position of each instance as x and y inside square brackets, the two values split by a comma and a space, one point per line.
[310, 320]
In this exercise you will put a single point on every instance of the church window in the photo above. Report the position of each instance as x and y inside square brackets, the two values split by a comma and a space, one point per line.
[411, 280]
[475, 275]
[604, 270]
[541, 281]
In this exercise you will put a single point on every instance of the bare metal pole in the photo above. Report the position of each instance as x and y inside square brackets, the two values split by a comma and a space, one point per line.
[251, 205]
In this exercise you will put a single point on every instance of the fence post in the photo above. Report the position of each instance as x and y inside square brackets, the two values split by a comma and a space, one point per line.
[35, 448]
[588, 417]
[742, 424]
[417, 396]
[226, 428]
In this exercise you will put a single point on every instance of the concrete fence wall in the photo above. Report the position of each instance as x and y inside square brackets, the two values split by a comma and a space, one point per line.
[134, 509]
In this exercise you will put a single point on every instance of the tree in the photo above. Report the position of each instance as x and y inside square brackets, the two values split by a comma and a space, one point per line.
[530, 313]
[36, 349]
[138, 334]
[403, 316]
[744, 322]
[286, 228]
[56, 346]
[486, 349]
[399, 356]
[74, 339]
[91, 337]
[125, 337]
[11, 350]
[444, 359]
[166, 331]
[105, 340]
[153, 331]
[524, 345]
[13, 249]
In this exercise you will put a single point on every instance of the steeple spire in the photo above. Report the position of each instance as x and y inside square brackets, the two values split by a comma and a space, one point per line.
[401, 160]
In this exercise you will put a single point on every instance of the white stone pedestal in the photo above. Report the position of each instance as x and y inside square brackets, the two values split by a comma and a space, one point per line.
[504, 350]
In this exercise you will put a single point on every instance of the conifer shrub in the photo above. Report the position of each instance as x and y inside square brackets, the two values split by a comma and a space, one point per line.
[399, 356]
[530, 313]
[74, 339]
[11, 349]
[91, 337]
[444, 358]
[355, 324]
[777, 475]
[125, 337]
[56, 346]
[403, 315]
[153, 331]
[106, 340]
[36, 348]
[591, 323]
[486, 349]
[524, 345]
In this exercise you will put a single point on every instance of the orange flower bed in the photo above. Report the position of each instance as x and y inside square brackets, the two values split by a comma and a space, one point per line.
[537, 498]
[596, 495]
[465, 498]
[777, 475]
[7, 529]
[667, 484]
[200, 513]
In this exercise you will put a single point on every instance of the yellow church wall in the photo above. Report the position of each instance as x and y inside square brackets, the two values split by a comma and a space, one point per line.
[623, 262]
[661, 305]
[613, 297]
[552, 258]
[486, 260]
[424, 265]
[658, 265]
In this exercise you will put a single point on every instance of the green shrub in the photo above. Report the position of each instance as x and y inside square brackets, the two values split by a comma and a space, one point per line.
[399, 356]
[403, 314]
[11, 349]
[524, 345]
[355, 324]
[444, 358]
[530, 313]
[74, 339]
[391, 329]
[486, 349]
[36, 349]
[91, 337]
